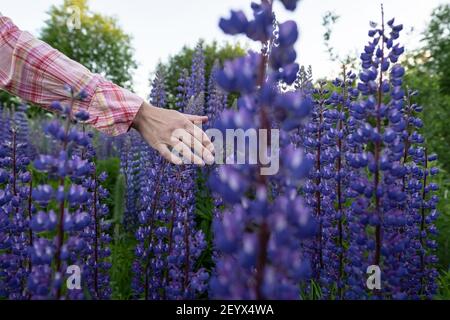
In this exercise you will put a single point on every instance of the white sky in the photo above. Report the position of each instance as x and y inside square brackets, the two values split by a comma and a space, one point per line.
[161, 27]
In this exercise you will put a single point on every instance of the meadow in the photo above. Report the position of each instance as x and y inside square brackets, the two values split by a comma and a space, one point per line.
[357, 210]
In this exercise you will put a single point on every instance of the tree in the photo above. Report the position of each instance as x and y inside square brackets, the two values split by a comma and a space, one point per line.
[429, 73]
[182, 61]
[94, 40]
[437, 38]
[329, 19]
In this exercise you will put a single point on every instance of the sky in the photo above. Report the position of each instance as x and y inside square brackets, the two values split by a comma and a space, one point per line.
[160, 28]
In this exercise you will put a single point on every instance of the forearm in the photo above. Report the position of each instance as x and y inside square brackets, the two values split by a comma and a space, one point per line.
[37, 73]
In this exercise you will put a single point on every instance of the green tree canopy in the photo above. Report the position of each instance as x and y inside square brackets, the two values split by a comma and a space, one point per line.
[94, 40]
[437, 38]
[429, 73]
[213, 51]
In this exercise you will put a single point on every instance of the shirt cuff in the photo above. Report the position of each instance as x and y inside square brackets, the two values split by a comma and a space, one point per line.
[111, 108]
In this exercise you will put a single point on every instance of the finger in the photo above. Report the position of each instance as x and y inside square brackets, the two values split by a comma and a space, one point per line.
[182, 149]
[194, 144]
[201, 136]
[197, 146]
[169, 156]
[196, 119]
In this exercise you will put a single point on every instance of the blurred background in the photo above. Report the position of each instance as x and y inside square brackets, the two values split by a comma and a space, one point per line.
[159, 29]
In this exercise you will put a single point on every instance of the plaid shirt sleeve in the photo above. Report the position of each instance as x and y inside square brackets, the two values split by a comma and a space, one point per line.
[37, 73]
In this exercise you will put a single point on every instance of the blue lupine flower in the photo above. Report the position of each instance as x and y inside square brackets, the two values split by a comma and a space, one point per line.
[15, 204]
[168, 242]
[237, 23]
[257, 237]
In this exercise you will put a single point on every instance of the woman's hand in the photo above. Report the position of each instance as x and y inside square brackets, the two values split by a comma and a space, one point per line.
[175, 135]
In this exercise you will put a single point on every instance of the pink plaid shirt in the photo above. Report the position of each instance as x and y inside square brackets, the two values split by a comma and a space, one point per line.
[37, 73]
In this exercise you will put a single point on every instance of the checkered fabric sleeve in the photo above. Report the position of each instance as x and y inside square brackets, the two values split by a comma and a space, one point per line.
[38, 73]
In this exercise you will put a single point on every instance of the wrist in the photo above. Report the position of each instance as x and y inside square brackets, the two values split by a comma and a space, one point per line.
[140, 116]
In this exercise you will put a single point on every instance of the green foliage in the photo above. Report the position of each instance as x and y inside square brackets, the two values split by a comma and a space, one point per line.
[122, 247]
[11, 102]
[8, 99]
[444, 286]
[122, 257]
[443, 221]
[119, 201]
[328, 21]
[314, 292]
[437, 37]
[204, 207]
[429, 73]
[119, 205]
[436, 110]
[112, 167]
[97, 41]
[182, 60]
